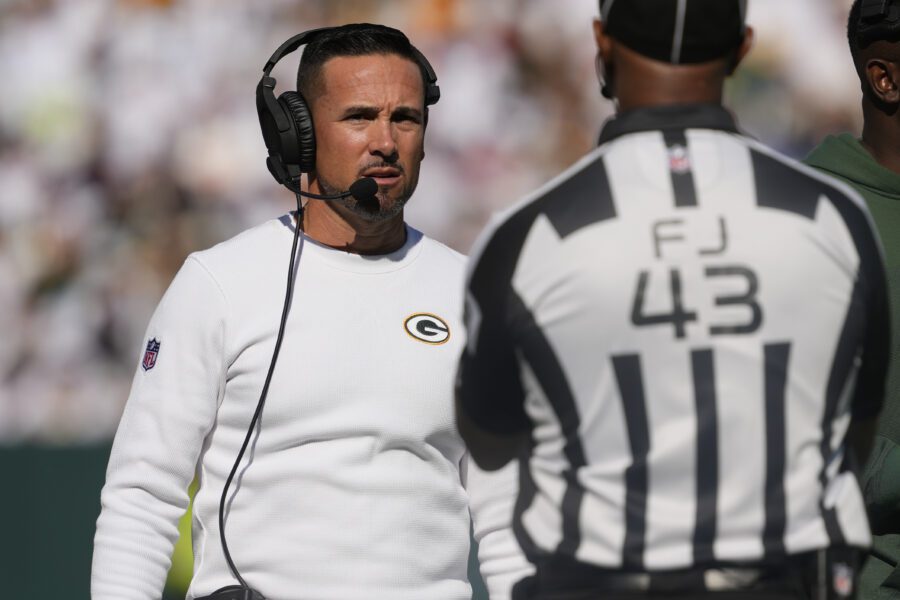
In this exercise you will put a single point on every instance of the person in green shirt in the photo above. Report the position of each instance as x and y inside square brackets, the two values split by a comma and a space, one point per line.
[871, 165]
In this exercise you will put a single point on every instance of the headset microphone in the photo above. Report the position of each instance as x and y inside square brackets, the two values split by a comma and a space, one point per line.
[363, 190]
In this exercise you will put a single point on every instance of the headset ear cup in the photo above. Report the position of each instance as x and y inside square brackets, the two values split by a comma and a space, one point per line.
[296, 107]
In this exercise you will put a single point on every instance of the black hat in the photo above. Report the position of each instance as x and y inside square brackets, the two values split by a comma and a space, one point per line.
[676, 31]
[876, 20]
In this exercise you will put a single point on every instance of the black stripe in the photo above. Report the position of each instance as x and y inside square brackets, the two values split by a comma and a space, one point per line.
[488, 383]
[571, 510]
[776, 365]
[488, 386]
[866, 331]
[548, 371]
[631, 387]
[583, 199]
[707, 455]
[867, 324]
[527, 492]
[841, 367]
[682, 176]
[782, 187]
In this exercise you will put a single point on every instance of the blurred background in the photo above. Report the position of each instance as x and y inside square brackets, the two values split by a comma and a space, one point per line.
[129, 138]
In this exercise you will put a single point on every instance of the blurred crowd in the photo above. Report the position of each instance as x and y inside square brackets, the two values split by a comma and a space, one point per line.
[129, 138]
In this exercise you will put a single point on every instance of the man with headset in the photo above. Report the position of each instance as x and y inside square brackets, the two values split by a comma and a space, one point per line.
[328, 462]
[871, 165]
[685, 336]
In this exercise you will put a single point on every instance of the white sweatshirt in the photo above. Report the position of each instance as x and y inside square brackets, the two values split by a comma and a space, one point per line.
[351, 487]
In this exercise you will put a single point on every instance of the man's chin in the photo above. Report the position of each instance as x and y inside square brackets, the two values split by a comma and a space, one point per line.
[387, 203]
[379, 208]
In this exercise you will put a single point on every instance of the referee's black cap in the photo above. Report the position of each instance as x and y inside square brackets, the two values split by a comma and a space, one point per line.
[676, 31]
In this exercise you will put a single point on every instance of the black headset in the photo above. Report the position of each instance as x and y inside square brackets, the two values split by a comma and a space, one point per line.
[286, 122]
[878, 20]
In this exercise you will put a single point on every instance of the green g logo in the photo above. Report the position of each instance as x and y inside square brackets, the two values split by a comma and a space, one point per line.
[427, 328]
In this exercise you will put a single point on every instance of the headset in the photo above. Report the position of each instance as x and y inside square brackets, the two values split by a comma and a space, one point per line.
[287, 124]
[878, 20]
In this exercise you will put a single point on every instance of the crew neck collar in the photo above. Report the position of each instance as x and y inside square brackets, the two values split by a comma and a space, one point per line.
[358, 263]
[656, 118]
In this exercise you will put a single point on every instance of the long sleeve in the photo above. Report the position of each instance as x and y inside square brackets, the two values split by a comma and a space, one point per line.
[492, 497]
[171, 408]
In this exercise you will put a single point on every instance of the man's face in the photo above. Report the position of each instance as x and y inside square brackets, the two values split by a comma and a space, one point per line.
[369, 122]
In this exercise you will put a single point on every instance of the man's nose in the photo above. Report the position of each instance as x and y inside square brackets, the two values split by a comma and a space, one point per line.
[382, 141]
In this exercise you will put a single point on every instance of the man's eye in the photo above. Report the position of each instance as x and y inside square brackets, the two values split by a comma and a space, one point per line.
[406, 119]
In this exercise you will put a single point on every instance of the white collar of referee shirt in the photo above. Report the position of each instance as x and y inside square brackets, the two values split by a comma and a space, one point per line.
[656, 118]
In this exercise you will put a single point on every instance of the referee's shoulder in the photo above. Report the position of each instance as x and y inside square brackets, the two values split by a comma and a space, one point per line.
[794, 174]
[508, 228]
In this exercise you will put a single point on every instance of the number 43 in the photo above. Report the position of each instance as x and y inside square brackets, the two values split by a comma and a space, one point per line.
[680, 317]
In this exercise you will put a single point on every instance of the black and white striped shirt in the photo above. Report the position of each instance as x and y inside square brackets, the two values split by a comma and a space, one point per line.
[686, 323]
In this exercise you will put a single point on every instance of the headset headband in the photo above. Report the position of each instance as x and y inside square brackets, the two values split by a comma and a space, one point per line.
[291, 45]
[432, 90]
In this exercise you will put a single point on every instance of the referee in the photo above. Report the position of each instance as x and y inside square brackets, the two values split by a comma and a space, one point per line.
[680, 335]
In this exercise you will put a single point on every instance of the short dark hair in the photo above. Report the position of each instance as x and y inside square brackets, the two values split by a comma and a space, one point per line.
[853, 29]
[355, 39]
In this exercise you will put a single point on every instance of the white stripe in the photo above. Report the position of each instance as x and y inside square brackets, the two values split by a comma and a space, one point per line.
[605, 11]
[639, 177]
[543, 518]
[679, 31]
[717, 160]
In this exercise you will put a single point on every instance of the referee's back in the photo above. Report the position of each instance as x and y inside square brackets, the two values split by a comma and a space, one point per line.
[685, 325]
[691, 312]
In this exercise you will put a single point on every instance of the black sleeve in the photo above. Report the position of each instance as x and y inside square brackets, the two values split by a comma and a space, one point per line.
[489, 388]
[876, 347]
[866, 339]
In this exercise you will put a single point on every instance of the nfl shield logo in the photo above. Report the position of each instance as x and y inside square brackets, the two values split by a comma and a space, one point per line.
[679, 160]
[150, 355]
[843, 580]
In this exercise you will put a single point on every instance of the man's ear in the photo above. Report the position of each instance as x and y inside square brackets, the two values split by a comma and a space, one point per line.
[604, 59]
[604, 42]
[742, 50]
[883, 78]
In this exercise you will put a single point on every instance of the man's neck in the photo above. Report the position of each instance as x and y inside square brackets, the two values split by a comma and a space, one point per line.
[663, 96]
[881, 138]
[338, 228]
[651, 84]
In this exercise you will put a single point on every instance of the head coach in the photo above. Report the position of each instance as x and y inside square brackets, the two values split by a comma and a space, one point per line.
[679, 335]
[323, 439]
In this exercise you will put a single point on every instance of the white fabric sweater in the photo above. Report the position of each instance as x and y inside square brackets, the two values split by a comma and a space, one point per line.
[351, 487]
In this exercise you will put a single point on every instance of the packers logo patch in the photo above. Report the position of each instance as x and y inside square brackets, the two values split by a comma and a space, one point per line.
[427, 328]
